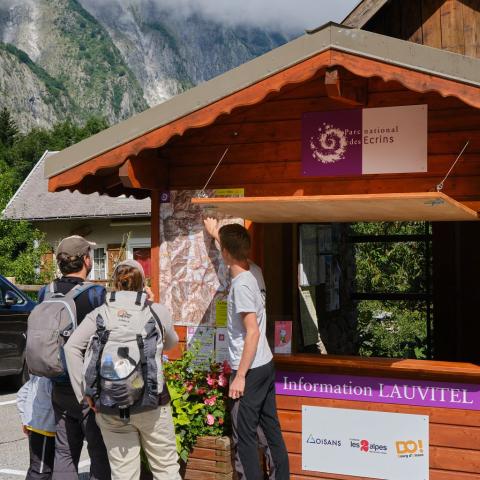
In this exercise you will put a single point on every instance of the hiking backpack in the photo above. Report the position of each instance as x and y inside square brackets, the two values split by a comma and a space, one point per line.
[122, 368]
[50, 324]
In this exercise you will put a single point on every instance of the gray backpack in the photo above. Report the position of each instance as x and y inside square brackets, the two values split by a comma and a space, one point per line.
[122, 368]
[50, 324]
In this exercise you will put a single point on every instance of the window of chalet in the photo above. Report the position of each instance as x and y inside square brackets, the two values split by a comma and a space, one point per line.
[365, 289]
[99, 271]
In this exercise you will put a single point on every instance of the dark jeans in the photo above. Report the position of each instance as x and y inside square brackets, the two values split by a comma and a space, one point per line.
[42, 453]
[255, 409]
[76, 423]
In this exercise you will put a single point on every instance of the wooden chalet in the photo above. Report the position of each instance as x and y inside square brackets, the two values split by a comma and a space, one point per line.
[386, 54]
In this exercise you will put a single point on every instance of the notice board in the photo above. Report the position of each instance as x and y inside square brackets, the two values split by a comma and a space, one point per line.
[361, 443]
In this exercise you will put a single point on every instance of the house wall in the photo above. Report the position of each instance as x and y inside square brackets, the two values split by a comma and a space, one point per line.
[452, 25]
[101, 231]
[265, 146]
[264, 158]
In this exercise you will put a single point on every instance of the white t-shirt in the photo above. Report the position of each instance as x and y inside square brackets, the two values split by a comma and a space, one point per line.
[247, 295]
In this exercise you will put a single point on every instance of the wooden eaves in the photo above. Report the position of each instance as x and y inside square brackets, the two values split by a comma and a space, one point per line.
[118, 158]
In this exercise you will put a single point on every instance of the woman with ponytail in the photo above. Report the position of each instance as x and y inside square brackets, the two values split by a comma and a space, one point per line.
[151, 429]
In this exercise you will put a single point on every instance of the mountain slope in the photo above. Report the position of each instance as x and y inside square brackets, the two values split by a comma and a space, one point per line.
[169, 52]
[111, 58]
[38, 99]
[73, 48]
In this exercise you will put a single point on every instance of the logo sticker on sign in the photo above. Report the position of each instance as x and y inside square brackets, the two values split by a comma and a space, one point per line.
[365, 444]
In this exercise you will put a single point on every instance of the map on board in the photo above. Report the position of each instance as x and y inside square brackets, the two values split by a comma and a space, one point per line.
[192, 274]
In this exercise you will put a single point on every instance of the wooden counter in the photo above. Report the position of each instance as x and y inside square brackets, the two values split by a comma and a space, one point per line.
[381, 367]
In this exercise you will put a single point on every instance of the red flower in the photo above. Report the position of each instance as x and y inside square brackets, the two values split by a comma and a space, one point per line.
[200, 391]
[210, 401]
[210, 419]
[227, 370]
[220, 421]
[222, 380]
[211, 380]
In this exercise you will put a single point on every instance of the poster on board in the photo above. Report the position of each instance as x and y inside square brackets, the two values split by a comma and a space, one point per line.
[365, 444]
[204, 337]
[283, 336]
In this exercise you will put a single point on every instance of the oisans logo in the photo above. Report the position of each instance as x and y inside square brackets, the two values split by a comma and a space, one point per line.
[327, 442]
[409, 448]
[367, 446]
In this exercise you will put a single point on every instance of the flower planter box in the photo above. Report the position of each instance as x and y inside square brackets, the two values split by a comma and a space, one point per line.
[211, 459]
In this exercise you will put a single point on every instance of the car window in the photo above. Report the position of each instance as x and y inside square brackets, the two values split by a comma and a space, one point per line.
[4, 288]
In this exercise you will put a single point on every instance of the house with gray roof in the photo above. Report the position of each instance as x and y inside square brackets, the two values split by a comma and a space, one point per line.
[120, 226]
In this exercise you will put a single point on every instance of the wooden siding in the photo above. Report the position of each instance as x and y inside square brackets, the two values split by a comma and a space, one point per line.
[265, 146]
[454, 437]
[452, 25]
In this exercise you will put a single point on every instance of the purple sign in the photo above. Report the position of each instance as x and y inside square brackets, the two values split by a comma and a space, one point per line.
[380, 390]
[365, 141]
[332, 143]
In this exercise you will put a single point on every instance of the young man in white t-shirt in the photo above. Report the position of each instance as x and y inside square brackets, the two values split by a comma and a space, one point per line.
[252, 387]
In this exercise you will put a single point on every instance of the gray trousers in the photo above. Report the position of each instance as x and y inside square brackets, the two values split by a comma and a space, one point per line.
[255, 424]
[76, 423]
[42, 451]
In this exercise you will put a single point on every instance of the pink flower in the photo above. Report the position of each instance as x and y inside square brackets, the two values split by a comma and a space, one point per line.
[222, 380]
[210, 419]
[211, 380]
[200, 391]
[189, 386]
[227, 370]
[210, 401]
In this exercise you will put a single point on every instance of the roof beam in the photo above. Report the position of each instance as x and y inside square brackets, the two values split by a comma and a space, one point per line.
[363, 12]
[145, 171]
[349, 91]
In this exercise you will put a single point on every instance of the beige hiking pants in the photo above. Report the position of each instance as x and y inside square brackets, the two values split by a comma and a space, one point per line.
[152, 430]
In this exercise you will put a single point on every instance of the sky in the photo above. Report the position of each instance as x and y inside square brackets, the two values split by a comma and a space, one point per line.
[286, 15]
[293, 15]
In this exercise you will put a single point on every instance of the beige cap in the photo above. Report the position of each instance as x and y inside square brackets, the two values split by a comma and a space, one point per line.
[130, 263]
[74, 246]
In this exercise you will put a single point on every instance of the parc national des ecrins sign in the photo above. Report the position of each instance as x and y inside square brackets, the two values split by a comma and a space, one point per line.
[365, 141]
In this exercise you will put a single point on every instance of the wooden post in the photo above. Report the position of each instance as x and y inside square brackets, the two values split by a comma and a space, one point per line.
[155, 243]
[256, 235]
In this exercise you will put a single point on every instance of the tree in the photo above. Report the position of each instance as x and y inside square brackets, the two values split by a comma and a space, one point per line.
[28, 148]
[21, 245]
[8, 128]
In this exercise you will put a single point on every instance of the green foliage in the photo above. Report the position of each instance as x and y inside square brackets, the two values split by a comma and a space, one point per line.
[8, 128]
[21, 245]
[395, 329]
[198, 399]
[28, 148]
[392, 329]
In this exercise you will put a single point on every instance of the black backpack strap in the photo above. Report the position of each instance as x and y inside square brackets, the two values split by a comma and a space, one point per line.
[112, 296]
[138, 300]
[159, 323]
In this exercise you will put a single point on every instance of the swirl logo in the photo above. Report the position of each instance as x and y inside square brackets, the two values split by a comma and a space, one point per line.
[329, 145]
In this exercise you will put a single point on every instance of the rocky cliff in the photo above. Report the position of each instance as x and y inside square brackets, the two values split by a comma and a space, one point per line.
[77, 58]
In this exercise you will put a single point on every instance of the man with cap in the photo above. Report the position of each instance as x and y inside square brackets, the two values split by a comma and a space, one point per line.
[76, 422]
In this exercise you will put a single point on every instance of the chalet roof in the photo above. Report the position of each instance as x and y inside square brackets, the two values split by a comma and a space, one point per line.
[445, 72]
[33, 201]
[363, 12]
